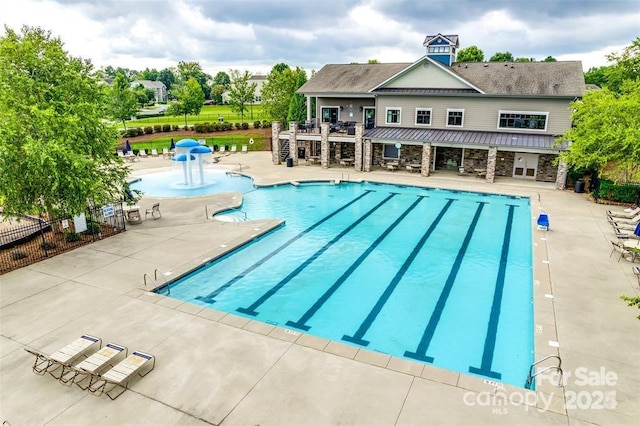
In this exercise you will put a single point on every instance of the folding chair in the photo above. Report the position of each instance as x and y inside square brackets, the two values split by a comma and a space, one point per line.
[116, 380]
[155, 209]
[64, 357]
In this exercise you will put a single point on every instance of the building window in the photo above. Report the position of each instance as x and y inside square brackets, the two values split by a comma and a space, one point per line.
[438, 49]
[522, 120]
[423, 116]
[393, 115]
[390, 152]
[455, 117]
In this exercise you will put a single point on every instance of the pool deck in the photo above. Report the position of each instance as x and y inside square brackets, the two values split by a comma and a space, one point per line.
[221, 369]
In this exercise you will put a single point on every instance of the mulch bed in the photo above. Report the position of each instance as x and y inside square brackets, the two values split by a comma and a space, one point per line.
[265, 132]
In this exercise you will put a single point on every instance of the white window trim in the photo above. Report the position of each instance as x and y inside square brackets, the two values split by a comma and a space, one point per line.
[386, 116]
[455, 110]
[430, 117]
[546, 122]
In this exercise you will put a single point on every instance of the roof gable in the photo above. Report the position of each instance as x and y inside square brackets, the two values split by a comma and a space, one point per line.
[426, 74]
[350, 78]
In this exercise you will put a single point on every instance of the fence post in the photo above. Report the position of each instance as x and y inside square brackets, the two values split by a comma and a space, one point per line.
[44, 241]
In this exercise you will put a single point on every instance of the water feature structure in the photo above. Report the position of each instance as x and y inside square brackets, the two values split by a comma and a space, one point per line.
[188, 150]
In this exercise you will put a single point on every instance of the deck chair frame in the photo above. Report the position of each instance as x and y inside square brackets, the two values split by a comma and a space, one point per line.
[116, 380]
[155, 209]
[88, 369]
[61, 360]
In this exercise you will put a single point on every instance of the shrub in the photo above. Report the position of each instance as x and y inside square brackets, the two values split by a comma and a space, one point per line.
[17, 255]
[157, 128]
[148, 130]
[93, 227]
[47, 245]
[166, 127]
[237, 125]
[256, 124]
[70, 236]
[625, 193]
[245, 126]
[266, 124]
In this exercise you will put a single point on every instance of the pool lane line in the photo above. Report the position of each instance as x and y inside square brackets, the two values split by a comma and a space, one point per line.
[251, 310]
[210, 298]
[357, 338]
[301, 323]
[494, 317]
[421, 352]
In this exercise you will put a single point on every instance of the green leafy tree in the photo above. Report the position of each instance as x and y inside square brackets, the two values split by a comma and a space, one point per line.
[298, 105]
[627, 66]
[168, 77]
[522, 59]
[280, 67]
[241, 92]
[632, 301]
[144, 95]
[187, 70]
[148, 74]
[189, 100]
[597, 76]
[549, 59]
[220, 84]
[121, 100]
[277, 93]
[56, 149]
[372, 61]
[606, 132]
[502, 57]
[470, 54]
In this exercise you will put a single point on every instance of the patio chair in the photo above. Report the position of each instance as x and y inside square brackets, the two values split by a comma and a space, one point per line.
[153, 211]
[234, 148]
[120, 153]
[223, 148]
[165, 153]
[630, 221]
[116, 380]
[154, 152]
[245, 149]
[142, 153]
[619, 247]
[624, 214]
[95, 364]
[543, 221]
[64, 357]
[133, 215]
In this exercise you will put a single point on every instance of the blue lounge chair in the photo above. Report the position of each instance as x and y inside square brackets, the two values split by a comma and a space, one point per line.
[543, 221]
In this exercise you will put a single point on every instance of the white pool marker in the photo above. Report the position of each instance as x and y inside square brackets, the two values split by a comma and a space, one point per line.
[223, 245]
[543, 239]
[536, 282]
[554, 344]
[545, 261]
[535, 244]
[538, 329]
[295, 333]
[168, 273]
[256, 229]
[548, 296]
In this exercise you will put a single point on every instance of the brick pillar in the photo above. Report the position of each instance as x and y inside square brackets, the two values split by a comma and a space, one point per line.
[491, 163]
[276, 128]
[358, 141]
[324, 145]
[293, 142]
[368, 153]
[561, 177]
[426, 159]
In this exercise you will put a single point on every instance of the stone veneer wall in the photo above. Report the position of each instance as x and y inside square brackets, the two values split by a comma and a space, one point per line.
[474, 159]
[276, 128]
[547, 170]
[504, 163]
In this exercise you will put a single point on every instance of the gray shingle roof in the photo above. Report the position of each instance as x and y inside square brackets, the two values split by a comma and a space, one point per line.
[350, 78]
[564, 78]
[453, 38]
[465, 137]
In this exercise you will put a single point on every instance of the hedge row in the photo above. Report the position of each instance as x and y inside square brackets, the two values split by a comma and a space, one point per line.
[625, 193]
[198, 127]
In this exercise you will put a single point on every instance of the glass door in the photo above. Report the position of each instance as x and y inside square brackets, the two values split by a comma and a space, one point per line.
[330, 115]
[369, 118]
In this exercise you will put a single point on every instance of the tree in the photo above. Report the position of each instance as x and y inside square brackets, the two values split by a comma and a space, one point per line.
[121, 101]
[606, 132]
[277, 93]
[168, 77]
[597, 76]
[522, 59]
[241, 92]
[502, 57]
[549, 59]
[372, 61]
[280, 67]
[627, 66]
[148, 74]
[144, 95]
[298, 104]
[189, 99]
[470, 54]
[220, 84]
[56, 149]
[187, 70]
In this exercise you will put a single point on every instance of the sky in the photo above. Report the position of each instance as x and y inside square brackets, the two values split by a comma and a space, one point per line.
[254, 35]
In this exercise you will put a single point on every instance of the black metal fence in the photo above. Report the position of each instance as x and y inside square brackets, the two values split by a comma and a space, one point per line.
[32, 239]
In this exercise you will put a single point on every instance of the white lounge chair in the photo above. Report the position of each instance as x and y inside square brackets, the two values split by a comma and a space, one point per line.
[245, 148]
[64, 357]
[624, 213]
[154, 152]
[234, 148]
[107, 357]
[142, 153]
[133, 215]
[116, 380]
[165, 153]
[223, 148]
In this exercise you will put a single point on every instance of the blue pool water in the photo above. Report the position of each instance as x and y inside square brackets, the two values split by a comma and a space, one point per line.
[172, 183]
[441, 277]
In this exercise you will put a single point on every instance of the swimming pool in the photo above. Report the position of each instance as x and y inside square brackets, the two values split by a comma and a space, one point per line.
[172, 183]
[441, 277]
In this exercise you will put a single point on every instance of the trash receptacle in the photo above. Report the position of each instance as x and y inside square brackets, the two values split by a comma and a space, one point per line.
[579, 187]
[289, 162]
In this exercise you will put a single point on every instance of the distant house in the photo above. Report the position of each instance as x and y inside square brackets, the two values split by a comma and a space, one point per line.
[158, 87]
[489, 118]
[259, 80]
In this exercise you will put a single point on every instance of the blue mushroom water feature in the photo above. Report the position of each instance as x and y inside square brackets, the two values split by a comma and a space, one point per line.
[188, 150]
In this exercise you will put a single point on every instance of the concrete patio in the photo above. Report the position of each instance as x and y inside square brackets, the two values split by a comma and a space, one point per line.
[221, 369]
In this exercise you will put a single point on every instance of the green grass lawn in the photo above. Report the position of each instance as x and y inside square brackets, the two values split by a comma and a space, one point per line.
[259, 142]
[209, 113]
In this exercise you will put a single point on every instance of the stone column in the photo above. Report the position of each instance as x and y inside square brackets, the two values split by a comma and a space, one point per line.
[491, 163]
[293, 142]
[561, 177]
[358, 141]
[426, 159]
[324, 145]
[368, 153]
[338, 150]
[276, 128]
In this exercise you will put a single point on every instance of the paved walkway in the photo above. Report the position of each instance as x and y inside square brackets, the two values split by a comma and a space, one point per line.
[221, 369]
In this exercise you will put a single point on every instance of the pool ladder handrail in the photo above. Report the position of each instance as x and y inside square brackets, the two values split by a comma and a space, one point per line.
[154, 280]
[533, 375]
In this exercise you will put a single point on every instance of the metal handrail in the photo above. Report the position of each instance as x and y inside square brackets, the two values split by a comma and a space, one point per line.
[552, 367]
[145, 276]
[531, 375]
[155, 275]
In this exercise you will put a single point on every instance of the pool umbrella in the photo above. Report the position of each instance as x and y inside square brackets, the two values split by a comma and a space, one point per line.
[127, 146]
[637, 231]
[173, 145]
